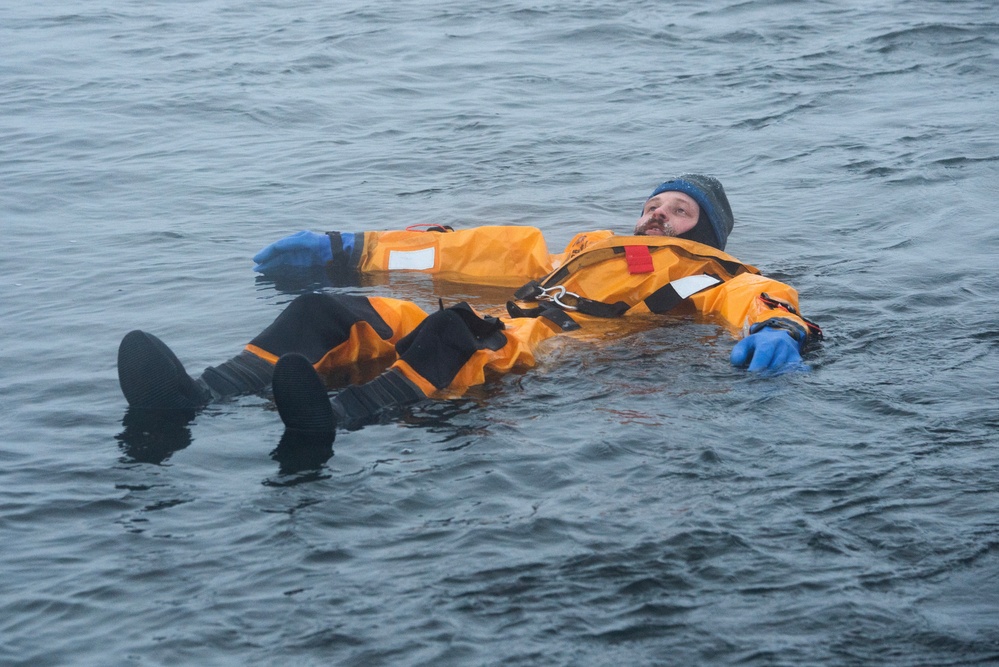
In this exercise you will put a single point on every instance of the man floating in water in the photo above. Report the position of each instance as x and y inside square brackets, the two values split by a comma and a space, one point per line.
[674, 260]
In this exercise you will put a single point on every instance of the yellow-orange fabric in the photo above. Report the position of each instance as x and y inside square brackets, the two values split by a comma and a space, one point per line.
[523, 337]
[593, 265]
[363, 343]
[735, 300]
[491, 255]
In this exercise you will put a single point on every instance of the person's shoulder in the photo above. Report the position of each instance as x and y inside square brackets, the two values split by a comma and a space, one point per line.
[585, 240]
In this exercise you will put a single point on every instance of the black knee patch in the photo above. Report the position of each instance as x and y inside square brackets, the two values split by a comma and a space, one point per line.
[446, 340]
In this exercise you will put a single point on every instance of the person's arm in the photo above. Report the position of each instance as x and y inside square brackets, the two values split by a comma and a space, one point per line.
[502, 255]
[300, 250]
[767, 310]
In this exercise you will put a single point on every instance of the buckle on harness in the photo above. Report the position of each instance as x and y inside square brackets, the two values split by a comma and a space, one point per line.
[555, 295]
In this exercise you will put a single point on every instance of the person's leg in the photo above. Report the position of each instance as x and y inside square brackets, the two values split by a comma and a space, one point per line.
[335, 330]
[450, 350]
[429, 360]
[328, 329]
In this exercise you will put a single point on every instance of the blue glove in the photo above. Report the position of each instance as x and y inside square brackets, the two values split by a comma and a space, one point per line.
[298, 251]
[768, 349]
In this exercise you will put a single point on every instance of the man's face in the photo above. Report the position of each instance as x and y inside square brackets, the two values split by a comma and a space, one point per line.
[668, 214]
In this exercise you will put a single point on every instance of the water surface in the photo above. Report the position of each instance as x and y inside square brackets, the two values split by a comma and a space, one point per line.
[635, 500]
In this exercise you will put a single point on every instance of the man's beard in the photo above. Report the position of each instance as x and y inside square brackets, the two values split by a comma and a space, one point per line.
[660, 229]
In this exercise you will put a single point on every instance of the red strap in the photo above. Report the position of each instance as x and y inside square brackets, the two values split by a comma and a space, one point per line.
[639, 259]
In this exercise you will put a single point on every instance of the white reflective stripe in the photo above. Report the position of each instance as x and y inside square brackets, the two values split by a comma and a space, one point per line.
[693, 284]
[411, 260]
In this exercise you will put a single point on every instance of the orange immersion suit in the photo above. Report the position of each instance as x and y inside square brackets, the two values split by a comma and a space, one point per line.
[598, 277]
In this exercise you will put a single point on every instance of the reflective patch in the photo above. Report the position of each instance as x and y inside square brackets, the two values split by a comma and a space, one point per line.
[693, 284]
[411, 260]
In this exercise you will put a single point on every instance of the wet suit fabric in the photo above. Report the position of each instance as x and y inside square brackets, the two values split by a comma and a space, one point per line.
[454, 348]
[335, 330]
[451, 348]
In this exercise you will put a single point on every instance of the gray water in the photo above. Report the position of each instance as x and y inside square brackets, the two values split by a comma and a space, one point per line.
[636, 501]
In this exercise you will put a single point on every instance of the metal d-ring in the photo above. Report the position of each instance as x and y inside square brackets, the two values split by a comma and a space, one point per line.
[555, 295]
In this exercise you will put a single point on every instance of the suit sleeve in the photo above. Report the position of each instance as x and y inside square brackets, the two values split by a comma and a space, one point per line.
[490, 255]
[750, 301]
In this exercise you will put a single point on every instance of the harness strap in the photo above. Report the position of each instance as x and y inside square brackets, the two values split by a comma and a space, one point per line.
[559, 297]
[575, 264]
[529, 292]
[589, 258]
[639, 260]
[671, 295]
[601, 308]
[663, 300]
[549, 311]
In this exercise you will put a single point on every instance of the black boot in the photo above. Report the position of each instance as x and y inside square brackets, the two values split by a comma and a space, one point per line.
[301, 398]
[437, 349]
[305, 406]
[152, 378]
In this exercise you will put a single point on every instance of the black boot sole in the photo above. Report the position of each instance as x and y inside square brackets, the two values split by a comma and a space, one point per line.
[152, 378]
[301, 397]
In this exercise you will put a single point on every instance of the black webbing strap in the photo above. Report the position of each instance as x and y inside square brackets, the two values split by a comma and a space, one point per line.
[814, 330]
[600, 308]
[529, 292]
[534, 288]
[345, 260]
[549, 311]
[662, 300]
[575, 264]
[533, 291]
[733, 269]
[666, 298]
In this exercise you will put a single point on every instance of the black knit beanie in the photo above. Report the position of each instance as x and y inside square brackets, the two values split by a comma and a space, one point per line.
[716, 219]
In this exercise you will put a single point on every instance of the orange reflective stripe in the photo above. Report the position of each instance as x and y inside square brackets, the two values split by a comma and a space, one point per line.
[263, 354]
[421, 383]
